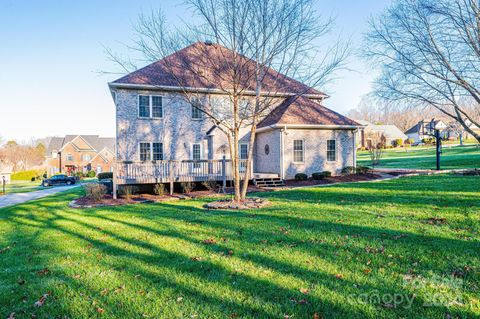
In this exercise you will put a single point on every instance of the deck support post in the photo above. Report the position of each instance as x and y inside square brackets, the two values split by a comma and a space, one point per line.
[224, 174]
[114, 181]
[170, 173]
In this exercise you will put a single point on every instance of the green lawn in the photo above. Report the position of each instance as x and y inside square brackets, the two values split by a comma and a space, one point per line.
[455, 157]
[22, 187]
[315, 250]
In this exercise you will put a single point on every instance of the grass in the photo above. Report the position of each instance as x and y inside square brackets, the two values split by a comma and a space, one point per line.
[314, 251]
[22, 187]
[455, 157]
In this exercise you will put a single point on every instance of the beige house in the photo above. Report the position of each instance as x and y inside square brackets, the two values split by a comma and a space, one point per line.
[389, 132]
[157, 128]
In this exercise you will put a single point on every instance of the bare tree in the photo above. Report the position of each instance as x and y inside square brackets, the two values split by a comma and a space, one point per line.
[429, 52]
[376, 146]
[257, 46]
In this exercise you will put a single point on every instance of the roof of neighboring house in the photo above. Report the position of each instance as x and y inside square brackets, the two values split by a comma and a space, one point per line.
[300, 110]
[388, 130]
[208, 66]
[417, 127]
[96, 142]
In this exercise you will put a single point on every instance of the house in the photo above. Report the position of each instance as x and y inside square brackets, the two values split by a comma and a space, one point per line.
[80, 153]
[157, 128]
[455, 131]
[5, 173]
[390, 133]
[421, 130]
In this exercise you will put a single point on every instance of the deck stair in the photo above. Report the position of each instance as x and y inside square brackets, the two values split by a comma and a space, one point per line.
[268, 180]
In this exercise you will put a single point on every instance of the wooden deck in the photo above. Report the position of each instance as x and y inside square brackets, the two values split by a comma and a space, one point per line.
[172, 171]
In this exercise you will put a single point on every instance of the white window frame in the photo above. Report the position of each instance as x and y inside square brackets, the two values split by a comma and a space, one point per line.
[336, 156]
[140, 151]
[162, 149]
[196, 109]
[150, 151]
[195, 165]
[84, 157]
[69, 157]
[303, 151]
[150, 106]
[243, 165]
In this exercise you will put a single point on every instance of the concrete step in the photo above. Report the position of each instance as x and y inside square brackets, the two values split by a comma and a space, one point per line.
[269, 182]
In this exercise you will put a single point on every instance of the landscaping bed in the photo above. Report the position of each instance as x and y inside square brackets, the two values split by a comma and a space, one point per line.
[334, 179]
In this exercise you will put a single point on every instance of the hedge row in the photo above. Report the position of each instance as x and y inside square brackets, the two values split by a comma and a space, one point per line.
[27, 175]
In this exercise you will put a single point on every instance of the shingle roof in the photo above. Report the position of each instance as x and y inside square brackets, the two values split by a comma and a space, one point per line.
[300, 110]
[97, 142]
[212, 65]
[388, 130]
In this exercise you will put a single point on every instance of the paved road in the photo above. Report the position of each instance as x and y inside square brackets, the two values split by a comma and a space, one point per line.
[17, 198]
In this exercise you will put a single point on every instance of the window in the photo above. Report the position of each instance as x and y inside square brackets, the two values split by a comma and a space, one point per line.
[144, 106]
[150, 106]
[331, 150]
[86, 157]
[145, 152]
[197, 114]
[157, 154]
[69, 157]
[243, 157]
[157, 107]
[196, 154]
[298, 151]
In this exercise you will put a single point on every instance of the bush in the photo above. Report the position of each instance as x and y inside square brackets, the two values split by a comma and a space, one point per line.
[30, 175]
[348, 170]
[105, 175]
[79, 174]
[187, 187]
[128, 191]
[363, 169]
[95, 191]
[398, 142]
[159, 189]
[409, 141]
[210, 185]
[91, 174]
[301, 177]
[321, 175]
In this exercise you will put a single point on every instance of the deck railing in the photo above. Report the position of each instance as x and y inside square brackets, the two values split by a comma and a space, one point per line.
[175, 171]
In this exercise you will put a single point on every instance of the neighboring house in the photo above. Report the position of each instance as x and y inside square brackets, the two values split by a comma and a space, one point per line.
[80, 153]
[390, 133]
[454, 131]
[5, 173]
[420, 131]
[155, 125]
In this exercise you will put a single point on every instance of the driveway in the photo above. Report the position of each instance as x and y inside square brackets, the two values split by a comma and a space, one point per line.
[17, 198]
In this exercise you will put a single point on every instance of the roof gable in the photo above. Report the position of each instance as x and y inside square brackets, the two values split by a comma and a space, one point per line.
[299, 110]
[213, 66]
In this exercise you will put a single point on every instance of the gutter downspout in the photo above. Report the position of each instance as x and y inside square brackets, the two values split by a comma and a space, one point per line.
[282, 153]
[355, 148]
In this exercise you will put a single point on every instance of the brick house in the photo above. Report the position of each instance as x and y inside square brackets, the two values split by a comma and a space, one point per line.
[157, 125]
[80, 153]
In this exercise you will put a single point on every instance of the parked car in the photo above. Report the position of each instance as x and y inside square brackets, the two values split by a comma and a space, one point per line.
[58, 179]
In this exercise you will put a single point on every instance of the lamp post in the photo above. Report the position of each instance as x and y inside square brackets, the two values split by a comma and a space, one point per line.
[59, 162]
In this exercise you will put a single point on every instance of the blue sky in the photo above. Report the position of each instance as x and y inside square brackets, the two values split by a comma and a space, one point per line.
[51, 52]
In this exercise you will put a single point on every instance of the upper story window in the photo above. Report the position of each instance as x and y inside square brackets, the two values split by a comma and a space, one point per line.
[298, 151]
[197, 106]
[331, 150]
[69, 157]
[86, 157]
[150, 106]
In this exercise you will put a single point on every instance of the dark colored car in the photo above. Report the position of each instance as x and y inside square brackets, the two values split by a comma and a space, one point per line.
[58, 179]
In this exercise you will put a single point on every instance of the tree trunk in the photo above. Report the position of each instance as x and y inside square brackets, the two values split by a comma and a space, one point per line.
[248, 169]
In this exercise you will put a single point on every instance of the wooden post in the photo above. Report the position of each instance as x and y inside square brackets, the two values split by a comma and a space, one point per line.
[224, 174]
[114, 181]
[170, 173]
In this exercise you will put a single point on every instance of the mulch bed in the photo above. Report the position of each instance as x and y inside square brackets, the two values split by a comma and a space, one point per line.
[334, 180]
